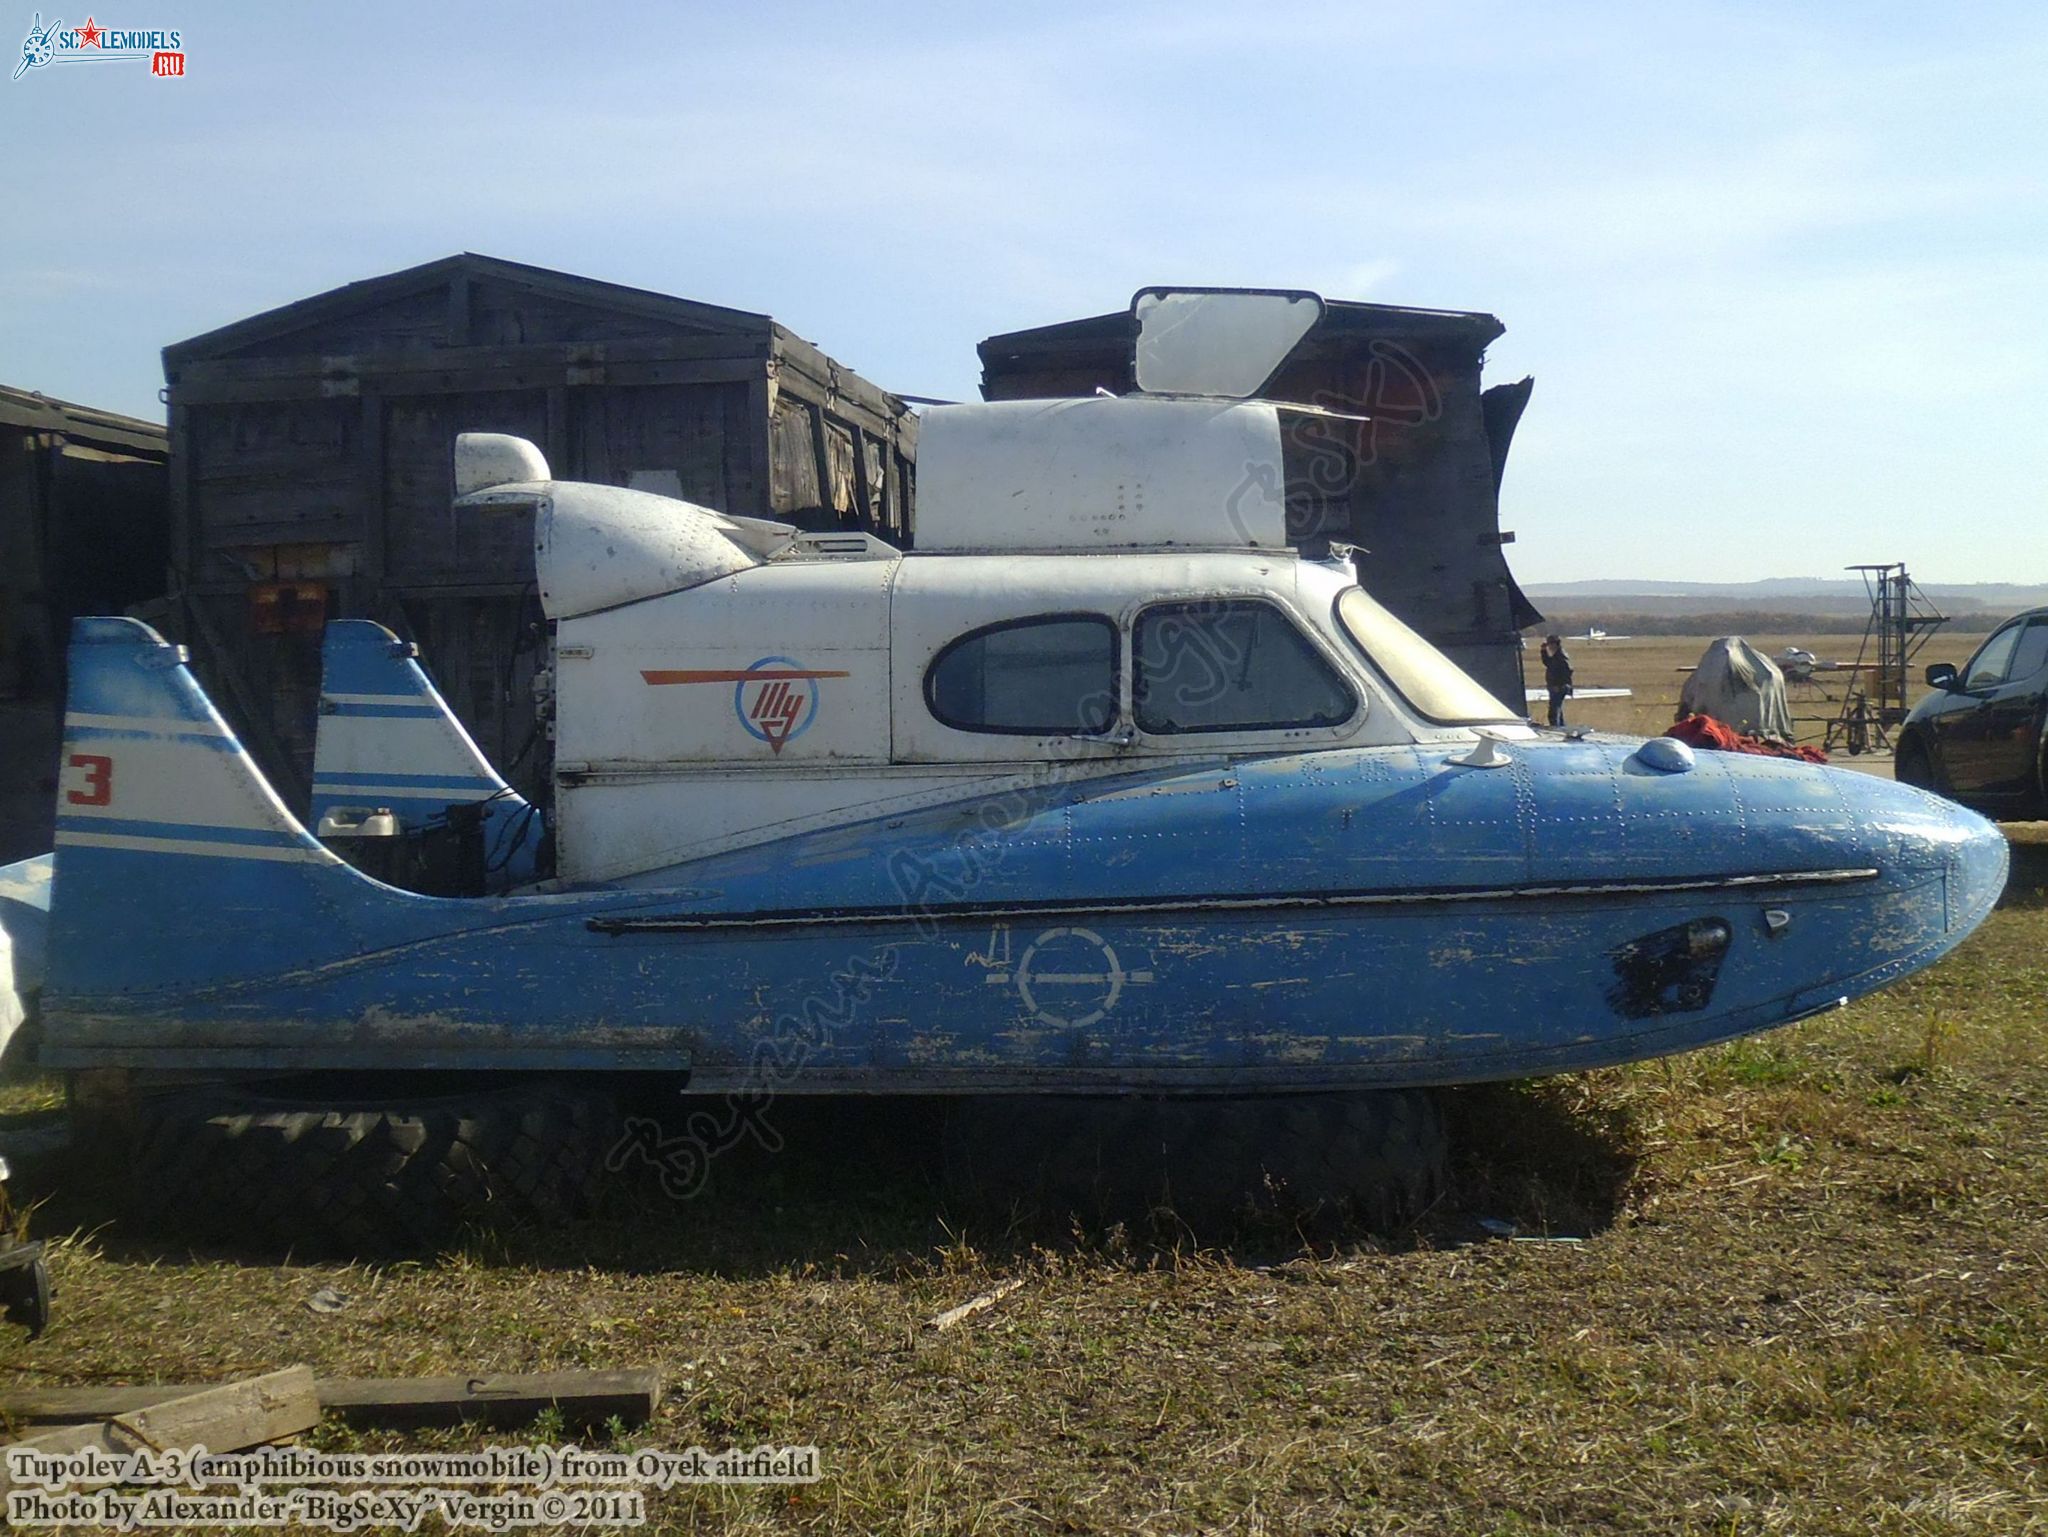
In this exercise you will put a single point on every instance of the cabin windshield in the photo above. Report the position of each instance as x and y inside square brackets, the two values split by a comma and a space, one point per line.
[1432, 684]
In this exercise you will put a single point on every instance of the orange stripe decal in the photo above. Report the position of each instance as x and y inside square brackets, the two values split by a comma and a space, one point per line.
[736, 675]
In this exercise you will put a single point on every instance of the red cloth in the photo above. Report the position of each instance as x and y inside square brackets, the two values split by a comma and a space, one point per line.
[1706, 732]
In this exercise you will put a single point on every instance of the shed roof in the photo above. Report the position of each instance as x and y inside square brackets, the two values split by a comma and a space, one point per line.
[370, 293]
[82, 424]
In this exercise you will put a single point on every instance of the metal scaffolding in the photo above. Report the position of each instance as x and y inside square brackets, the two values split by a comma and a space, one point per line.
[1902, 618]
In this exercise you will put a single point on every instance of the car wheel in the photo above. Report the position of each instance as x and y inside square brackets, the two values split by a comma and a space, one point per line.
[1911, 765]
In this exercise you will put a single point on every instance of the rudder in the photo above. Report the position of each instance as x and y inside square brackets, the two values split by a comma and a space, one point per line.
[378, 708]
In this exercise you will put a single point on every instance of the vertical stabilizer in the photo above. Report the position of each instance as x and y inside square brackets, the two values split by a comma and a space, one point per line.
[176, 863]
[387, 741]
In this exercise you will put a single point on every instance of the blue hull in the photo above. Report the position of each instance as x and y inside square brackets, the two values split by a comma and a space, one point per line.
[1402, 994]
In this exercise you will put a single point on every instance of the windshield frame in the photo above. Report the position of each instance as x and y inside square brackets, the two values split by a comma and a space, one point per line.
[1385, 676]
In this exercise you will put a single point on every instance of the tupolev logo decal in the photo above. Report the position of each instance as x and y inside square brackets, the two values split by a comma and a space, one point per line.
[776, 699]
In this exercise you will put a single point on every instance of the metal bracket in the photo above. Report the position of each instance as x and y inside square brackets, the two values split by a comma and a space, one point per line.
[1486, 753]
[1119, 736]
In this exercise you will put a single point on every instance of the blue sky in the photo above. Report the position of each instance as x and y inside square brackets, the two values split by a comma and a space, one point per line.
[1781, 273]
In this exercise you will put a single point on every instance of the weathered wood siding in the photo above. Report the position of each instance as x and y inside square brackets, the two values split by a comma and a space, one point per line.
[82, 519]
[315, 443]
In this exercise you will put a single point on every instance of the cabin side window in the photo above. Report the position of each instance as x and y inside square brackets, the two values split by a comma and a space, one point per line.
[1052, 675]
[1231, 665]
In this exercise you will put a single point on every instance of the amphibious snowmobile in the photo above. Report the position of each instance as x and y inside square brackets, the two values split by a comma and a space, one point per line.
[1101, 789]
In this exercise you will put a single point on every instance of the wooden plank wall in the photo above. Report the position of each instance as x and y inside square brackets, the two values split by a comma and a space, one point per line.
[358, 492]
[326, 452]
[425, 540]
[688, 430]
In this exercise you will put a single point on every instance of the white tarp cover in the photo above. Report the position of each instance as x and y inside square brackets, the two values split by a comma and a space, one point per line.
[1741, 687]
[24, 937]
[10, 1005]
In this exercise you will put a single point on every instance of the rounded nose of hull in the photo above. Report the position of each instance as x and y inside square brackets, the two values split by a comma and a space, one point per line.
[1940, 869]
[1980, 861]
[1916, 835]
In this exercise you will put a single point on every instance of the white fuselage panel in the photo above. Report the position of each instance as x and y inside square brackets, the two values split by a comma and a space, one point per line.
[792, 695]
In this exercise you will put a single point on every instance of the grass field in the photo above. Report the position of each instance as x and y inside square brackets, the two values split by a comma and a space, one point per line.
[1792, 1285]
[1650, 665]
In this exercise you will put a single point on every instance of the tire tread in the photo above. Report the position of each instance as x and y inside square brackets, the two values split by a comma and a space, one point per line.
[397, 1177]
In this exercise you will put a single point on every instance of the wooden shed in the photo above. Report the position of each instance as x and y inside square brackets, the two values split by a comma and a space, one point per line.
[1417, 490]
[81, 532]
[311, 470]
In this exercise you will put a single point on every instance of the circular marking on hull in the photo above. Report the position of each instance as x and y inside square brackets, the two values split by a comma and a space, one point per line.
[1075, 959]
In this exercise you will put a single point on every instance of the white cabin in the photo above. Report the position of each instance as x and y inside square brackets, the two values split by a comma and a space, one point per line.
[1100, 584]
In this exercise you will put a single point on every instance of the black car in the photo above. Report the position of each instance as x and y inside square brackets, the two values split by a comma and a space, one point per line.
[1982, 736]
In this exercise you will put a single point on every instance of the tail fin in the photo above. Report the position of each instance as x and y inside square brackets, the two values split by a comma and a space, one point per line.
[388, 741]
[176, 863]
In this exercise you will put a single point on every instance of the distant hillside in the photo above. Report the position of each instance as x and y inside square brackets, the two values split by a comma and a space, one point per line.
[1749, 604]
[1710, 620]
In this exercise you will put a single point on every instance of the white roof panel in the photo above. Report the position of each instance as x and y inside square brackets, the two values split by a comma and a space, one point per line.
[1100, 473]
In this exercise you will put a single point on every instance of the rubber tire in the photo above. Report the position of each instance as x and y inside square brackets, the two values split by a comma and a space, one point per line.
[1375, 1156]
[383, 1178]
[1911, 765]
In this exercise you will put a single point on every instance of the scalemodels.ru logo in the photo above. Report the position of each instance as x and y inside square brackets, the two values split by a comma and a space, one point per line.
[163, 50]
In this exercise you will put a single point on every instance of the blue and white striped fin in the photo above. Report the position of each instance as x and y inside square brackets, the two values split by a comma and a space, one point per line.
[149, 766]
[176, 862]
[388, 741]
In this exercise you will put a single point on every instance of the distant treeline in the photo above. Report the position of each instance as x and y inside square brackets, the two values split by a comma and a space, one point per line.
[1748, 621]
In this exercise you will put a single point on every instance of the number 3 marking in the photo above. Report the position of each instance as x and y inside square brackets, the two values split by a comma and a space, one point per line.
[99, 780]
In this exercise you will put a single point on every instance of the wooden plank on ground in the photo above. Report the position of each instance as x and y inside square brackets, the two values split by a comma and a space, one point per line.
[965, 1310]
[223, 1418]
[583, 1398]
[233, 1415]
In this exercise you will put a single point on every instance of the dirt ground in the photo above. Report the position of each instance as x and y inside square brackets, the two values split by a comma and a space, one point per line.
[1790, 1285]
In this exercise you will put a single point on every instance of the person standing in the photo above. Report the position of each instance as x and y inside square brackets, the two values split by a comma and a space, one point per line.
[1557, 675]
